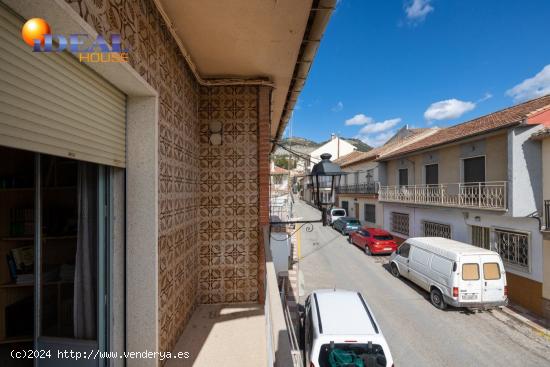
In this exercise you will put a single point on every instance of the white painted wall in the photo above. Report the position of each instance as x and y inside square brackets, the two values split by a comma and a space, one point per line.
[460, 229]
[335, 147]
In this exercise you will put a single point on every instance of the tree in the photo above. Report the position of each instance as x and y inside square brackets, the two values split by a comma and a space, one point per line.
[283, 162]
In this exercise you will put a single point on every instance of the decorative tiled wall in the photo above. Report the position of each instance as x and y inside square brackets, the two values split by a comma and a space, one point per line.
[158, 60]
[229, 196]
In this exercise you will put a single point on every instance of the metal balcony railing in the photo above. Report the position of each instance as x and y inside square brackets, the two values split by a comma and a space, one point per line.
[364, 188]
[483, 195]
[547, 214]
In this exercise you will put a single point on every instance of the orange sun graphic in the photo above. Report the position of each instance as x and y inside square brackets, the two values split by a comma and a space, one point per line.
[35, 28]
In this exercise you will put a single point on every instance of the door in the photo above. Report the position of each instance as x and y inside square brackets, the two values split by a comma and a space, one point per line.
[432, 174]
[403, 177]
[345, 206]
[70, 258]
[493, 280]
[356, 210]
[402, 258]
[474, 170]
[470, 280]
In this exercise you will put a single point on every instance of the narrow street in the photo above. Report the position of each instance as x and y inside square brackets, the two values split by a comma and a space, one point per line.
[418, 334]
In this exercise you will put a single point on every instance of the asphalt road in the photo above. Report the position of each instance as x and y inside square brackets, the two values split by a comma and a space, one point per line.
[418, 334]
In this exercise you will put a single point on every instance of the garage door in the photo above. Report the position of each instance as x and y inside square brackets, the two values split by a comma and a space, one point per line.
[51, 103]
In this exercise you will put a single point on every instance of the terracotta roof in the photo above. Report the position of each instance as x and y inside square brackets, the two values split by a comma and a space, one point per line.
[276, 170]
[389, 147]
[497, 120]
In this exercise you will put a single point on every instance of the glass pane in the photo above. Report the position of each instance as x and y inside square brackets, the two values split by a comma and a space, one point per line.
[491, 271]
[16, 249]
[69, 248]
[470, 272]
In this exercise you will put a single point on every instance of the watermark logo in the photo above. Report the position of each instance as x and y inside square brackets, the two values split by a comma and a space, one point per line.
[36, 32]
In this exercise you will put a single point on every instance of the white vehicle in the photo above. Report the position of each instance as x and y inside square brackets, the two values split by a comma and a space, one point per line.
[336, 213]
[340, 330]
[454, 273]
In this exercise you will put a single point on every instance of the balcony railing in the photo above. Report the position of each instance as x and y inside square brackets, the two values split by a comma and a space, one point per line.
[547, 214]
[482, 195]
[364, 188]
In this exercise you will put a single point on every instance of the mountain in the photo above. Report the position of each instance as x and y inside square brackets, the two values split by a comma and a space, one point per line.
[306, 146]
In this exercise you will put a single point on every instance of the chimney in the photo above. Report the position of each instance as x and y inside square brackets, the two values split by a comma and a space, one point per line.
[332, 136]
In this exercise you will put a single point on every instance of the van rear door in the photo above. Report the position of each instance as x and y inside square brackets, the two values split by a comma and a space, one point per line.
[493, 279]
[470, 280]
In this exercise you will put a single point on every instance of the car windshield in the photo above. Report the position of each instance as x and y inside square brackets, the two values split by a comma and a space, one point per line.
[339, 213]
[352, 354]
[383, 237]
[353, 223]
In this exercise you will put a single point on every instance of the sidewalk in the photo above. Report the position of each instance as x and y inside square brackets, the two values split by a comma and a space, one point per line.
[224, 335]
[536, 323]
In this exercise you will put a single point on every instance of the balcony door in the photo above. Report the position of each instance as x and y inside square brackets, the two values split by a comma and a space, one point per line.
[432, 174]
[403, 176]
[474, 170]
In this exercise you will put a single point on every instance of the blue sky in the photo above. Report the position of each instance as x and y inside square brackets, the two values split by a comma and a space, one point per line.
[386, 63]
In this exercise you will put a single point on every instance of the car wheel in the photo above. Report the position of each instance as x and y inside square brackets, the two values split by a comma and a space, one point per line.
[437, 299]
[350, 240]
[367, 250]
[342, 232]
[395, 270]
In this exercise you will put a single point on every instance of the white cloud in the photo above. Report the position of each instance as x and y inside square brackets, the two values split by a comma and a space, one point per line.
[448, 109]
[378, 127]
[359, 119]
[485, 97]
[339, 107]
[534, 87]
[417, 10]
[377, 140]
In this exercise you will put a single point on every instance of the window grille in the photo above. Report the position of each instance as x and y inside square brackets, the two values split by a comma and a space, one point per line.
[432, 229]
[370, 213]
[513, 247]
[480, 237]
[400, 223]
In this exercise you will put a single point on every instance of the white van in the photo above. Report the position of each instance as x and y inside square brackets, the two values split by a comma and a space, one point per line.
[340, 330]
[454, 273]
[335, 214]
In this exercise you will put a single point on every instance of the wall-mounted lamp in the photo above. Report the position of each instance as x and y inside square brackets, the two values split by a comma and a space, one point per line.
[477, 218]
[215, 127]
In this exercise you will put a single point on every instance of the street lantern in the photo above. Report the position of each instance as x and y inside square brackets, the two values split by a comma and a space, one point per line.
[325, 179]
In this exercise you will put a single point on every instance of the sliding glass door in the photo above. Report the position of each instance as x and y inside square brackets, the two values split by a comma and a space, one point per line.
[70, 239]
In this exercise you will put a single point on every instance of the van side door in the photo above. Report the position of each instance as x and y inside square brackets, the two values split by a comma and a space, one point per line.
[419, 262]
[402, 258]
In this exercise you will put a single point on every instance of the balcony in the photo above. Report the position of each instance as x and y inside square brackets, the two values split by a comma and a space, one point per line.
[478, 195]
[364, 188]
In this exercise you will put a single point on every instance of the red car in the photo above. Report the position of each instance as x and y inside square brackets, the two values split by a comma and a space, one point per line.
[373, 241]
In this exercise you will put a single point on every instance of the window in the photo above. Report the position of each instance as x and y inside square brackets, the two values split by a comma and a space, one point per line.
[338, 213]
[370, 176]
[491, 271]
[345, 205]
[403, 177]
[370, 213]
[400, 223]
[353, 354]
[480, 237]
[386, 237]
[356, 178]
[474, 169]
[404, 249]
[432, 229]
[432, 174]
[470, 271]
[513, 247]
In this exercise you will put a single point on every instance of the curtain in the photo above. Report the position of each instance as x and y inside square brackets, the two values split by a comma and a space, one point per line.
[85, 282]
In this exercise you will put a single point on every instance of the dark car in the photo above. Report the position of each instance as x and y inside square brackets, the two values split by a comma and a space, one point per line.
[346, 225]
